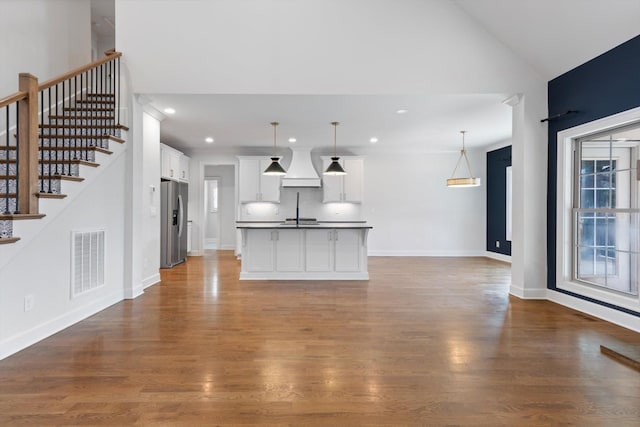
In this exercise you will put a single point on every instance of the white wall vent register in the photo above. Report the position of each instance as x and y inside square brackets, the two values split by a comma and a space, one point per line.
[87, 261]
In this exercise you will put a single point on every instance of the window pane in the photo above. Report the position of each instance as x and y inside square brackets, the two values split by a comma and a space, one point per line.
[603, 198]
[586, 199]
[587, 181]
[585, 262]
[586, 232]
[602, 180]
[622, 195]
[587, 166]
[603, 166]
[601, 232]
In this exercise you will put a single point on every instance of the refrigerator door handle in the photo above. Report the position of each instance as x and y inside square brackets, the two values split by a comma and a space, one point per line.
[180, 215]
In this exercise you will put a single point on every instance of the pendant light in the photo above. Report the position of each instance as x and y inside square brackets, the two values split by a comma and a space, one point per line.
[274, 168]
[335, 168]
[470, 181]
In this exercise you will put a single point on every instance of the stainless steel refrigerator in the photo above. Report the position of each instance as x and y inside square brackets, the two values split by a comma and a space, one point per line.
[173, 222]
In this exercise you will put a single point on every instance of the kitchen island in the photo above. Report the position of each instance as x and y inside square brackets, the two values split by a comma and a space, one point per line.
[319, 251]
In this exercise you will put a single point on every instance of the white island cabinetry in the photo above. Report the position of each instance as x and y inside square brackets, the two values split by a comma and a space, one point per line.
[324, 252]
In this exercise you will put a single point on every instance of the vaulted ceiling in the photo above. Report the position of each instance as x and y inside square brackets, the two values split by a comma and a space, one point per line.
[552, 36]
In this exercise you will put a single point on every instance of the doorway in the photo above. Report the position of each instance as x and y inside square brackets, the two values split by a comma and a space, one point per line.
[211, 218]
[218, 208]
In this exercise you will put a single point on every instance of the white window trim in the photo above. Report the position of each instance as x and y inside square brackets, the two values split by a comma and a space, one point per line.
[509, 203]
[564, 222]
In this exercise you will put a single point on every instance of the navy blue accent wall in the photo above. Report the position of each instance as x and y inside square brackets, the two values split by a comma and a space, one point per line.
[497, 163]
[606, 85]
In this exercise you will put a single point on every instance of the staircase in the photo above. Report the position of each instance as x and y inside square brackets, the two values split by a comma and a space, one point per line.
[50, 133]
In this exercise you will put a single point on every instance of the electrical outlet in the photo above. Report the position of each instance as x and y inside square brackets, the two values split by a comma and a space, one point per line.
[28, 302]
[497, 243]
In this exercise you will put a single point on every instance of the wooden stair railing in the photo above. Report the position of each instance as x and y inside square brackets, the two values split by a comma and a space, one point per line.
[47, 130]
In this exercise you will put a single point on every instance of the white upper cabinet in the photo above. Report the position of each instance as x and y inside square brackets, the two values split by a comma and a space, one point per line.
[170, 162]
[184, 168]
[344, 188]
[253, 185]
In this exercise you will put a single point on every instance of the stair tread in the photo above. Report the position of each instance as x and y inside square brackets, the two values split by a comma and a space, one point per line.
[73, 162]
[62, 136]
[53, 177]
[63, 125]
[17, 217]
[94, 101]
[51, 195]
[87, 109]
[91, 148]
[4, 240]
[63, 177]
[85, 117]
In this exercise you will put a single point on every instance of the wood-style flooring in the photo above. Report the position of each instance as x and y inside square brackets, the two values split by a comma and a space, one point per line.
[426, 341]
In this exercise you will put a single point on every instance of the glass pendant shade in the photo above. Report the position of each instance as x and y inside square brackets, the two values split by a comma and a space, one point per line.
[275, 168]
[335, 168]
[470, 181]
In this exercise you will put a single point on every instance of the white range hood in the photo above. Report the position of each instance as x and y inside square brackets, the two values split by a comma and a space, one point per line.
[301, 172]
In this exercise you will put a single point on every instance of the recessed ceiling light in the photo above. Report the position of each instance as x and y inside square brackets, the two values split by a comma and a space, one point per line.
[373, 140]
[208, 140]
[169, 111]
[402, 111]
[292, 140]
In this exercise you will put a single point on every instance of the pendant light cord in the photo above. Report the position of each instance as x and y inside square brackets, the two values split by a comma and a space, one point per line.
[335, 133]
[274, 124]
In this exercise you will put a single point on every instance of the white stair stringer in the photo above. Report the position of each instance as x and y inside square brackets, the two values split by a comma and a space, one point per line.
[27, 230]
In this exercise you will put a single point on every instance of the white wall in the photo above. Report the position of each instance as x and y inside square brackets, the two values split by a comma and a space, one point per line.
[42, 267]
[43, 37]
[142, 224]
[151, 200]
[412, 210]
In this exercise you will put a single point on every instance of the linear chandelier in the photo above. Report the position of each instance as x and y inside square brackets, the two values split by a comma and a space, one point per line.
[470, 181]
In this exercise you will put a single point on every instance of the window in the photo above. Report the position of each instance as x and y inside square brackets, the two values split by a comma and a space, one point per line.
[598, 242]
[605, 212]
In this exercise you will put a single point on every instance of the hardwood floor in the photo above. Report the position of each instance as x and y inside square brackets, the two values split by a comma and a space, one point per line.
[426, 341]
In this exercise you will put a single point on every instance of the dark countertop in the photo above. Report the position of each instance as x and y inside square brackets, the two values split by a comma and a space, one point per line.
[321, 224]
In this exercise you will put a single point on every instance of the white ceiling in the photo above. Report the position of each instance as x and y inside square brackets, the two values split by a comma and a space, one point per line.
[431, 122]
[553, 36]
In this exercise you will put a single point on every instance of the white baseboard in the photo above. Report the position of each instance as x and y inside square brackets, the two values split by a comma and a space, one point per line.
[27, 338]
[228, 247]
[499, 257]
[134, 293]
[427, 253]
[151, 280]
[520, 292]
[196, 253]
[605, 313]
